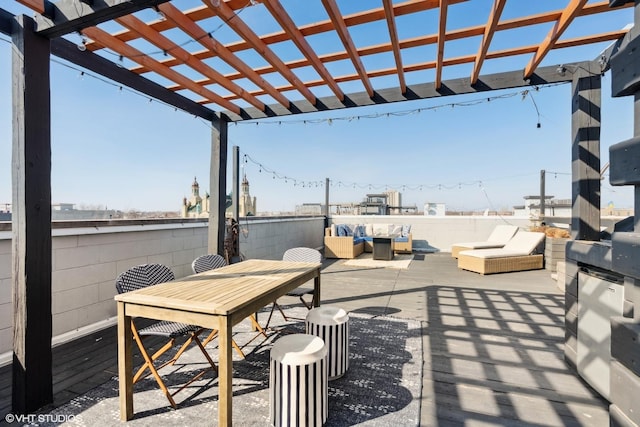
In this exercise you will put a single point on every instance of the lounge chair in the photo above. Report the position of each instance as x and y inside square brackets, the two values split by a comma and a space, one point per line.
[518, 254]
[497, 239]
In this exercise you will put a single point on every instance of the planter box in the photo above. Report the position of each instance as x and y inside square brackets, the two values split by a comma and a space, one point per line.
[554, 250]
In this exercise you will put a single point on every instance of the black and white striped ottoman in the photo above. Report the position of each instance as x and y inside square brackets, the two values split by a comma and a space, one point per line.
[332, 325]
[298, 390]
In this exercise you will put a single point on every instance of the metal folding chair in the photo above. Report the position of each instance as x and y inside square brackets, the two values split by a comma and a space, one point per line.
[142, 276]
[300, 254]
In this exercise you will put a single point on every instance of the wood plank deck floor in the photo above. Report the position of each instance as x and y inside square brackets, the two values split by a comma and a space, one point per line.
[492, 345]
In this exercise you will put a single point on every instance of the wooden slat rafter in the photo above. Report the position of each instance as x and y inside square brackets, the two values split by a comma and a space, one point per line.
[442, 31]
[135, 55]
[222, 90]
[35, 5]
[285, 21]
[341, 28]
[568, 14]
[466, 59]
[489, 30]
[209, 42]
[240, 27]
[171, 48]
[395, 44]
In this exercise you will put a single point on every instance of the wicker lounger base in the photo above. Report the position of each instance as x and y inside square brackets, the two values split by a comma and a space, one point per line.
[500, 265]
[455, 250]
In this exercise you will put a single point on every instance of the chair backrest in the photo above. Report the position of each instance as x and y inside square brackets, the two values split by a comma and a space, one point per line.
[142, 276]
[502, 233]
[302, 255]
[525, 241]
[207, 262]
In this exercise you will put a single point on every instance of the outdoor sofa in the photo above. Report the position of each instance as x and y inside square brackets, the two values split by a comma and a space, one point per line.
[350, 240]
[497, 239]
[522, 252]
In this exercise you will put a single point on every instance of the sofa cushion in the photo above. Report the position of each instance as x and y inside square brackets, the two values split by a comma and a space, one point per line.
[358, 230]
[350, 229]
[401, 239]
[357, 240]
[334, 230]
[380, 229]
[368, 230]
[395, 229]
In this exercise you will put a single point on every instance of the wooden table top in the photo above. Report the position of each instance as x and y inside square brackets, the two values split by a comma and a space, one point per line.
[222, 291]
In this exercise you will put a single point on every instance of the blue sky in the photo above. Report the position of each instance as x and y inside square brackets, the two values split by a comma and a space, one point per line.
[117, 149]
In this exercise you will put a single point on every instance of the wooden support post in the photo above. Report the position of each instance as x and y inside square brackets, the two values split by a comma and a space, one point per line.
[31, 220]
[585, 153]
[218, 185]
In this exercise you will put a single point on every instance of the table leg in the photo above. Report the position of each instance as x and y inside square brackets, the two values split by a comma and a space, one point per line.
[225, 374]
[125, 364]
[316, 290]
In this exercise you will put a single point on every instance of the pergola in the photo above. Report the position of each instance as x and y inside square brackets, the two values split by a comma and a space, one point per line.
[308, 67]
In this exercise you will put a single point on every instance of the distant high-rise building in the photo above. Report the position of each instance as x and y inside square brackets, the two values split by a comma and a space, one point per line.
[394, 202]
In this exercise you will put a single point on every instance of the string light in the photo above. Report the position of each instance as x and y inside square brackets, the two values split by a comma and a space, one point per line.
[82, 45]
[162, 17]
[330, 120]
[386, 187]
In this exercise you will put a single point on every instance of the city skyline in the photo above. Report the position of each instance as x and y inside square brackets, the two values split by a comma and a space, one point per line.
[120, 149]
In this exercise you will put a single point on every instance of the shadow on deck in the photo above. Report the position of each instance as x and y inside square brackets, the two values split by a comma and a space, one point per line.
[492, 345]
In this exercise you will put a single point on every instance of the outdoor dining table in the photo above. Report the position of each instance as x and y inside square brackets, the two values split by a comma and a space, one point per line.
[216, 299]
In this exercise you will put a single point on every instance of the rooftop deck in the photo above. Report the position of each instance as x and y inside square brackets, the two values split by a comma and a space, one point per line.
[492, 345]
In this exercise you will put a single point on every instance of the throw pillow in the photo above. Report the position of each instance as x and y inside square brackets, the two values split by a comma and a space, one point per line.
[368, 230]
[406, 229]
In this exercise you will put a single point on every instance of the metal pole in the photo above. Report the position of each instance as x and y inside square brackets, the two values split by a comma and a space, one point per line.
[542, 194]
[326, 202]
[236, 183]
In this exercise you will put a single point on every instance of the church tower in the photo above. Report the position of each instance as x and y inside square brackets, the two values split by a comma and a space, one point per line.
[247, 203]
[195, 206]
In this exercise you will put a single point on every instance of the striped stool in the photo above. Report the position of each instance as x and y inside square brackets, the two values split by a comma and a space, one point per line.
[332, 325]
[298, 391]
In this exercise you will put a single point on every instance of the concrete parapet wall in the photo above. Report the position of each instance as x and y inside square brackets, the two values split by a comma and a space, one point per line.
[87, 259]
[268, 238]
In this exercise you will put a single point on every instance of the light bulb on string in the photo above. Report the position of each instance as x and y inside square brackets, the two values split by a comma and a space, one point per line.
[82, 45]
[161, 15]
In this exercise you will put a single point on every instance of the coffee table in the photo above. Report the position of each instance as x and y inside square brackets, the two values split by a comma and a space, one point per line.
[383, 247]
